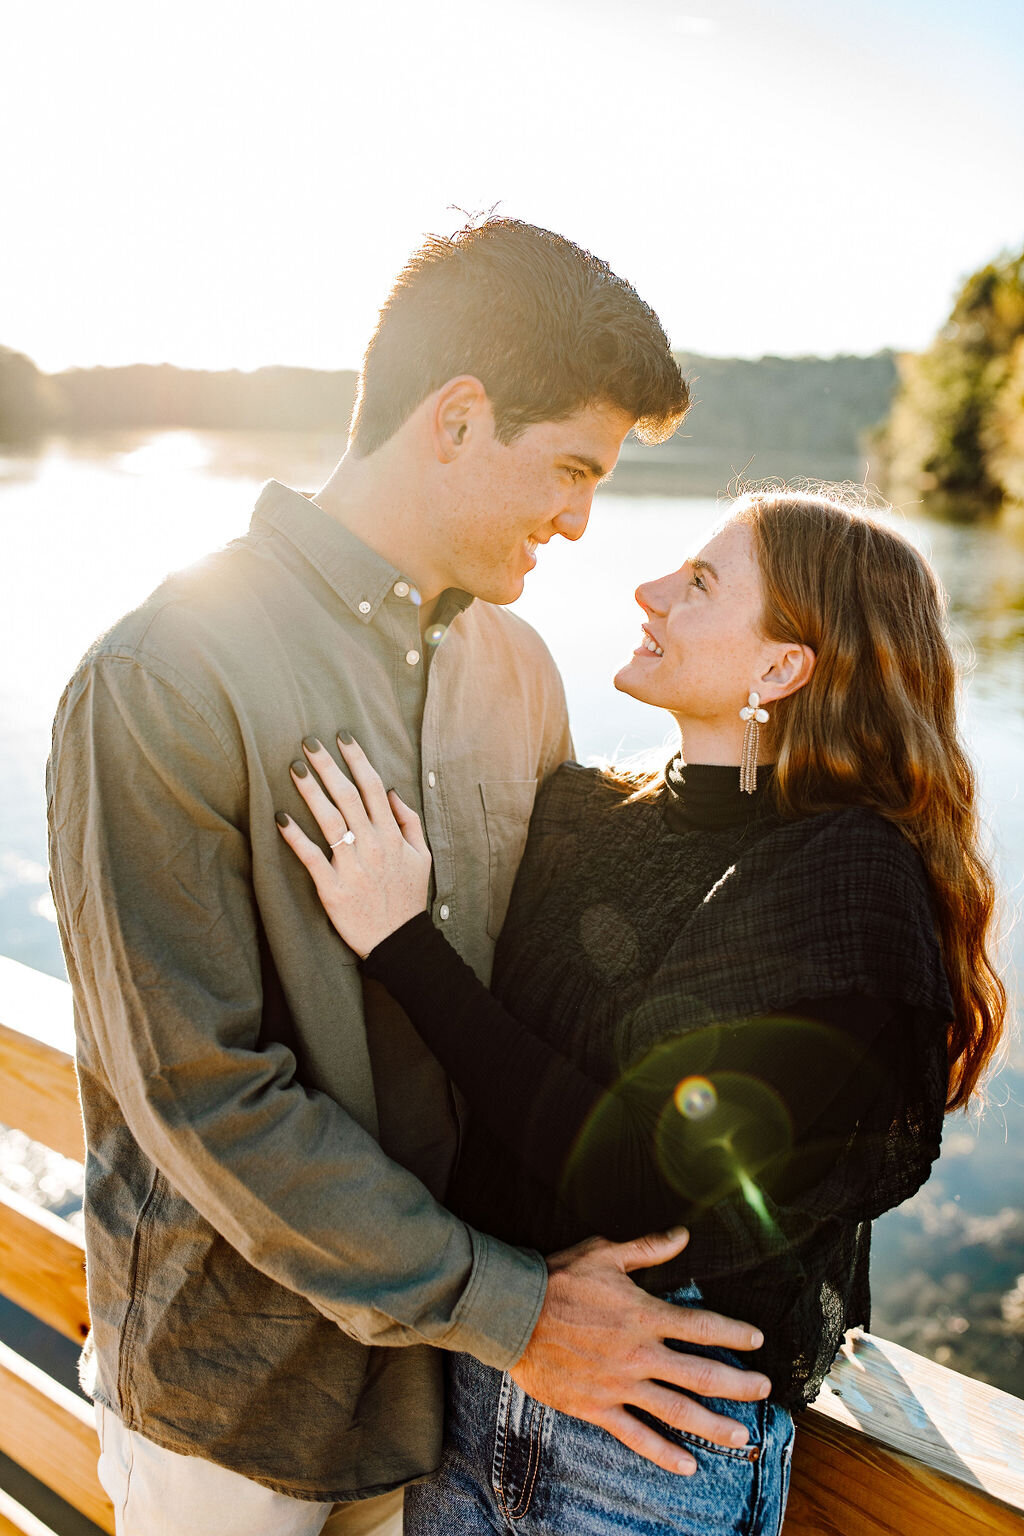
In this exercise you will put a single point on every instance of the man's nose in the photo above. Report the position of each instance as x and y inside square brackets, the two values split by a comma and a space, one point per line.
[572, 521]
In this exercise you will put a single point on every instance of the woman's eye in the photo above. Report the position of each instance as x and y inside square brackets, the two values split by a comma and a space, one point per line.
[698, 582]
[575, 473]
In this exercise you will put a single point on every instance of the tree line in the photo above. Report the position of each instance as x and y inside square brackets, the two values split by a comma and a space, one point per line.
[944, 427]
[810, 409]
[142, 395]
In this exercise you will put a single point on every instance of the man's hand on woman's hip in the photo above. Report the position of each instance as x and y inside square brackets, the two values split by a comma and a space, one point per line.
[599, 1348]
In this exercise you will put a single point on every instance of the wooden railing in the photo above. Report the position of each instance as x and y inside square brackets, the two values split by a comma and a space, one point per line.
[894, 1446]
[44, 1427]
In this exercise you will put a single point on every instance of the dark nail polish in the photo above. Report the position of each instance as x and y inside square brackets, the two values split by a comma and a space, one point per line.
[346, 737]
[299, 769]
[311, 744]
[282, 818]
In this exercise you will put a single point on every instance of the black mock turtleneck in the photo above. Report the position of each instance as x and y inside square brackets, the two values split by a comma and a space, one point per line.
[707, 797]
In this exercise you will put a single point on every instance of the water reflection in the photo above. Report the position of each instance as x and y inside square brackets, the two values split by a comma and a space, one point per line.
[983, 572]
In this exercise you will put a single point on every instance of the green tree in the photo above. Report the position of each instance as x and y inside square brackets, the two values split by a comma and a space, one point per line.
[946, 436]
[1006, 431]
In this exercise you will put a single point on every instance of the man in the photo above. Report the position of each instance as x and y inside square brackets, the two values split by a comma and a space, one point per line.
[272, 1278]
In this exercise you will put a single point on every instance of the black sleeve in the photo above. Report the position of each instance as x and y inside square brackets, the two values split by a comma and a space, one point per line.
[648, 1149]
[529, 1096]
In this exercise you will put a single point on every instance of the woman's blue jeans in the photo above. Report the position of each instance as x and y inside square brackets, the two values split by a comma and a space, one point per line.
[512, 1465]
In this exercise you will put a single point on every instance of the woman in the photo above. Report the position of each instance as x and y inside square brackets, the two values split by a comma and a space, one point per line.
[739, 995]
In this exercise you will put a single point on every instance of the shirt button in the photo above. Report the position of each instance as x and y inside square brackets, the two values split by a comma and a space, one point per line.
[432, 779]
[445, 912]
[364, 606]
[401, 589]
[412, 657]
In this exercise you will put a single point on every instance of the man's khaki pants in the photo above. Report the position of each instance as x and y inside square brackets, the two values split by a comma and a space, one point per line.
[156, 1492]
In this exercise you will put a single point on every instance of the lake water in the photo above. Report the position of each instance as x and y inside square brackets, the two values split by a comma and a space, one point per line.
[90, 525]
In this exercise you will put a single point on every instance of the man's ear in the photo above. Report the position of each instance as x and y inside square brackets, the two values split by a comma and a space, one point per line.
[790, 671]
[460, 411]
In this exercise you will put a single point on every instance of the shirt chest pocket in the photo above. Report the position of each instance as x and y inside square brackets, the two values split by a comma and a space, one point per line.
[508, 804]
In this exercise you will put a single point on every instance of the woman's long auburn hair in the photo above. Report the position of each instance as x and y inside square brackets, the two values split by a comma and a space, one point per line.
[876, 724]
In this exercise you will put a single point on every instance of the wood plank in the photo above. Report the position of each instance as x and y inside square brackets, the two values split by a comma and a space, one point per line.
[847, 1485]
[38, 1092]
[42, 1265]
[50, 1432]
[896, 1444]
[17, 1521]
[36, 1004]
[971, 1433]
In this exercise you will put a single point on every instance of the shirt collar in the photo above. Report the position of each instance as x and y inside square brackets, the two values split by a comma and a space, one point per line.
[361, 578]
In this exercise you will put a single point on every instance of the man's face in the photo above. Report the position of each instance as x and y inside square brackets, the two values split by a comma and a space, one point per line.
[505, 501]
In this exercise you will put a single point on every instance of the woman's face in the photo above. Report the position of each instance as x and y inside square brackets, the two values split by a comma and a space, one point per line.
[703, 619]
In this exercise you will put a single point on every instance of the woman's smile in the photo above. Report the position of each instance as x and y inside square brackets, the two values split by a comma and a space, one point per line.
[648, 645]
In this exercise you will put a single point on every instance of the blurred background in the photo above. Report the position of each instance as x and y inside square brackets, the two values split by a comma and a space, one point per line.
[203, 206]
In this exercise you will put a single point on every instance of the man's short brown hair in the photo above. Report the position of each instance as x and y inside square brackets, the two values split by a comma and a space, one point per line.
[546, 327]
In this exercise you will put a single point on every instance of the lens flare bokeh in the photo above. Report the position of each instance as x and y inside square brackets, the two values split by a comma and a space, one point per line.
[716, 1113]
[695, 1098]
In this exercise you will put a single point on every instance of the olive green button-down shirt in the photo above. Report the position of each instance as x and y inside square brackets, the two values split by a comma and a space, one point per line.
[269, 1267]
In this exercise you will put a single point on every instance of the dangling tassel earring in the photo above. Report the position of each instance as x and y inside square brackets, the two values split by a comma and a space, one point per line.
[755, 718]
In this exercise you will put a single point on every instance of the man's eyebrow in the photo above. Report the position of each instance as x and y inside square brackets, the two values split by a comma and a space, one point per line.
[697, 564]
[591, 465]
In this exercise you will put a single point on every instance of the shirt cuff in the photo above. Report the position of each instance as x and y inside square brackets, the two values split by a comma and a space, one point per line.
[498, 1312]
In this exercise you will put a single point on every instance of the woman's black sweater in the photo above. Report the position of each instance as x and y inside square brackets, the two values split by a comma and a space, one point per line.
[701, 1015]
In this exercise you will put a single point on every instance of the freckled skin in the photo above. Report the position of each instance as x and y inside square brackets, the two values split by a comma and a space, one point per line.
[714, 652]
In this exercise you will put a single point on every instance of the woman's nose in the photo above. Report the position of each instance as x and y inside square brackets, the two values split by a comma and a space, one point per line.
[648, 594]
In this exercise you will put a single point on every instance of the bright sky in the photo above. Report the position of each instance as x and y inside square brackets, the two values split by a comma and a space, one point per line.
[231, 184]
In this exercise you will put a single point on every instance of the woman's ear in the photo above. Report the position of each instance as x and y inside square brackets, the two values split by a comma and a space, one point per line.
[789, 672]
[460, 407]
